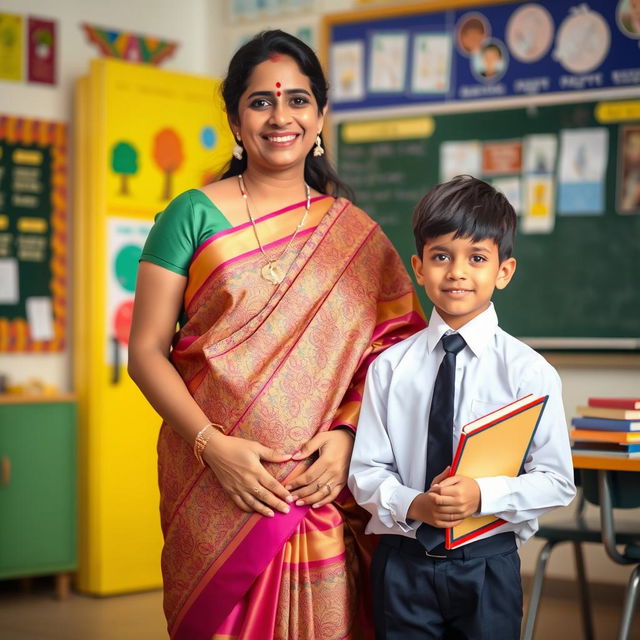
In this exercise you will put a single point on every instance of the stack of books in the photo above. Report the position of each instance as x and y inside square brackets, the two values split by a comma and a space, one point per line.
[607, 427]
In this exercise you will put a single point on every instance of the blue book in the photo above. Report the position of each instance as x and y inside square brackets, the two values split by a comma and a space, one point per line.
[605, 423]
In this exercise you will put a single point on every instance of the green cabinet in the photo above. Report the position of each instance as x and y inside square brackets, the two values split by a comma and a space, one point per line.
[38, 494]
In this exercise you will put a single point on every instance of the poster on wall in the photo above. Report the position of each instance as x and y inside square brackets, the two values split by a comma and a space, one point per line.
[582, 171]
[431, 63]
[176, 138]
[33, 235]
[388, 62]
[500, 49]
[629, 170]
[125, 240]
[11, 42]
[347, 71]
[41, 51]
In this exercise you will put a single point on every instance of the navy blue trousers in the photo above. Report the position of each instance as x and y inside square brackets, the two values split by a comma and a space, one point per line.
[475, 593]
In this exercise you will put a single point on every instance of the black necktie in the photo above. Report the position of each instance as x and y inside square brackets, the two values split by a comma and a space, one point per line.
[440, 437]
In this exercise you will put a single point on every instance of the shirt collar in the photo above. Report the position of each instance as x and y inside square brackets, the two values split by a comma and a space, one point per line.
[477, 332]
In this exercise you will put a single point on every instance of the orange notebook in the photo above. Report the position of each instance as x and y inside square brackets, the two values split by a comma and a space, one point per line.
[495, 445]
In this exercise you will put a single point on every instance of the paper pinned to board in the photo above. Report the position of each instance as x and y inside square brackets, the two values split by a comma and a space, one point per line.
[9, 284]
[40, 317]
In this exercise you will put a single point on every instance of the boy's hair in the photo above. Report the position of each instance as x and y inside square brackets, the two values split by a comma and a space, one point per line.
[468, 207]
[493, 47]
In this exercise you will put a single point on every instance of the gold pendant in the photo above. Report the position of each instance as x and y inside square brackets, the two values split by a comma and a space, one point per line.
[272, 273]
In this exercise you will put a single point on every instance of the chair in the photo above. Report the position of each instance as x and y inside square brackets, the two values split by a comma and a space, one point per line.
[609, 489]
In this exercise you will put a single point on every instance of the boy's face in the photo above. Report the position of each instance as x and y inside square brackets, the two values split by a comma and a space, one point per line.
[491, 59]
[459, 276]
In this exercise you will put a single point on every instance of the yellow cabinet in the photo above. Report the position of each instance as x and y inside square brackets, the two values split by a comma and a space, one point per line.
[129, 119]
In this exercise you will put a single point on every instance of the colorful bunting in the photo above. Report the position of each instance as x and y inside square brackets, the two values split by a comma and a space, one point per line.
[129, 46]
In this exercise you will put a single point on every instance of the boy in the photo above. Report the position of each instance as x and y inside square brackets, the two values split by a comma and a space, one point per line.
[492, 61]
[464, 231]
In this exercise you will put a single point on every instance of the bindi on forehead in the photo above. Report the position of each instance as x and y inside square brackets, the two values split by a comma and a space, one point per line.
[278, 85]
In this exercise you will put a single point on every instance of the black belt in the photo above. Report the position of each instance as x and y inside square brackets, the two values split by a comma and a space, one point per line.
[494, 545]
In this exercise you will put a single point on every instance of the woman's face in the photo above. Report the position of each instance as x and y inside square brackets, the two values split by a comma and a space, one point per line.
[278, 118]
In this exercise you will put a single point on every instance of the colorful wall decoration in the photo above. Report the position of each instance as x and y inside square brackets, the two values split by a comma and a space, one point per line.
[133, 47]
[33, 235]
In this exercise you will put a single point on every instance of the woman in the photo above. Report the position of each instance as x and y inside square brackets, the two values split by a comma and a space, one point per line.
[284, 295]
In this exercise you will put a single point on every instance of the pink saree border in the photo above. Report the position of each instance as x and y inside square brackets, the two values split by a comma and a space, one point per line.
[380, 329]
[226, 584]
[269, 245]
[244, 225]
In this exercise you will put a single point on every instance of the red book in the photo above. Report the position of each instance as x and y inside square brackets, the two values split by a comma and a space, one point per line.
[615, 403]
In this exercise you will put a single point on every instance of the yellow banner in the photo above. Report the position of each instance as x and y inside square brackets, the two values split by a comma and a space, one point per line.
[607, 112]
[376, 130]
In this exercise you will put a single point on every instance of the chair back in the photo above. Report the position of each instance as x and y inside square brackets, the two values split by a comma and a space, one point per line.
[625, 488]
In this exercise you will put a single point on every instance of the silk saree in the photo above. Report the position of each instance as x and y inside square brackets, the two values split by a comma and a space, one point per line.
[277, 364]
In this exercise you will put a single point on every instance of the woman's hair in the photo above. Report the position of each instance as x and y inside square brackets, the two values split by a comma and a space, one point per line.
[318, 173]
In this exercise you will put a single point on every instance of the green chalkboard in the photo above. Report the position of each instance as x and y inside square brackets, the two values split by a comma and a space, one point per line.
[581, 280]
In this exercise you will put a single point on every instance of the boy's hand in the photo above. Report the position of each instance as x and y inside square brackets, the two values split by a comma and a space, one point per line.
[448, 502]
[458, 498]
[425, 506]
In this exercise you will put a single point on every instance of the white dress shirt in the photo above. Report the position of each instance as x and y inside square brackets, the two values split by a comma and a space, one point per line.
[388, 465]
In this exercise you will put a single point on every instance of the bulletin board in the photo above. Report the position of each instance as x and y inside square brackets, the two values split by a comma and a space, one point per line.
[33, 235]
[580, 280]
[576, 286]
[460, 50]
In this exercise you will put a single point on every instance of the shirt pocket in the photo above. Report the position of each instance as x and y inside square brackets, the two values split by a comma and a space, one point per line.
[480, 408]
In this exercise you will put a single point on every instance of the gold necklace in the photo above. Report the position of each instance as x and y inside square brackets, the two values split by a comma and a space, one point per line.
[272, 272]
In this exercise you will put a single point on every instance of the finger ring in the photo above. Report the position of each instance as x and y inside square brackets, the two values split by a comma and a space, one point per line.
[318, 486]
[257, 491]
[328, 485]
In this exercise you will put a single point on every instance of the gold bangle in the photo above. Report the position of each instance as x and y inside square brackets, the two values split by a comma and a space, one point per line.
[203, 437]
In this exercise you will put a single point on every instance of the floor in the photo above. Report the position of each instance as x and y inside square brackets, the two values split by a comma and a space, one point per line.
[33, 614]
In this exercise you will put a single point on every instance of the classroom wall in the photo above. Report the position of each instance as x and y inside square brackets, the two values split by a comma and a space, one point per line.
[195, 24]
[207, 40]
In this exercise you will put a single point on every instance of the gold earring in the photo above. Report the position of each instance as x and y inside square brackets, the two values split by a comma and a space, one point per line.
[238, 149]
[318, 150]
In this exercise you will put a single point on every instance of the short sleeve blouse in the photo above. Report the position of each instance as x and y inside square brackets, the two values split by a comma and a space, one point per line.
[189, 220]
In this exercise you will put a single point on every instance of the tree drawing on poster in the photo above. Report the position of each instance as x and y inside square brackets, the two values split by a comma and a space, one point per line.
[124, 161]
[169, 156]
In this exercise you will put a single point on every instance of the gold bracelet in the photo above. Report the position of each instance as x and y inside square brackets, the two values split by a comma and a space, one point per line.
[203, 437]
